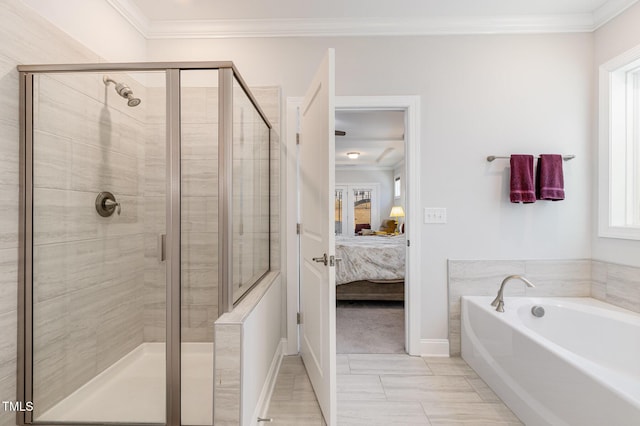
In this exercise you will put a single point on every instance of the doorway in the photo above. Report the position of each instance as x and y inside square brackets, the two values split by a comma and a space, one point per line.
[370, 197]
[410, 106]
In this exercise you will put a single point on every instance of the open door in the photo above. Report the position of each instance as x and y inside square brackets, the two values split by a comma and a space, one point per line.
[317, 238]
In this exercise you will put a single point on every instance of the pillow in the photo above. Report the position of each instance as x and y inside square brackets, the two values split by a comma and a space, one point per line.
[388, 226]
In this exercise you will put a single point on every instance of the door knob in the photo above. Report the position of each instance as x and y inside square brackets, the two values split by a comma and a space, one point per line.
[324, 259]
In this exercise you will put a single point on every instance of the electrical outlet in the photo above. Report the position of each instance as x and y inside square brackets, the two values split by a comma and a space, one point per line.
[435, 215]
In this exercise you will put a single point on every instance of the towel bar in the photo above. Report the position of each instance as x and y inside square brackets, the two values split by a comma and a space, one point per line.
[493, 157]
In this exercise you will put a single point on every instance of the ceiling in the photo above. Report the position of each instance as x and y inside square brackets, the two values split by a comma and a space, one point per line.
[271, 9]
[377, 135]
[264, 18]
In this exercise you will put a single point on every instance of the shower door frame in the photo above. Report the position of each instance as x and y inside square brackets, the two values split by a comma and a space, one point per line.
[226, 73]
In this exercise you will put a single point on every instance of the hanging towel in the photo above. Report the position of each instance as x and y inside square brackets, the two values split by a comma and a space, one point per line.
[522, 183]
[550, 180]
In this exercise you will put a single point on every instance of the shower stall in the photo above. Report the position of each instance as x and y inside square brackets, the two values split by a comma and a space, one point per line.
[145, 215]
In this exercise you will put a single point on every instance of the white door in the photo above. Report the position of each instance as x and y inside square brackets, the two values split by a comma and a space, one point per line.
[317, 239]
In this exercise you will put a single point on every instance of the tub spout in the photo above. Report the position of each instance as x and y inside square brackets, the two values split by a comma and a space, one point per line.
[498, 302]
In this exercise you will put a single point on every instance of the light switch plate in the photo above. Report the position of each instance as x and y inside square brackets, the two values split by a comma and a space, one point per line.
[435, 215]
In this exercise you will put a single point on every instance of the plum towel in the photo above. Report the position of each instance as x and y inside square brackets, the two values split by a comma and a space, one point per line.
[550, 180]
[522, 183]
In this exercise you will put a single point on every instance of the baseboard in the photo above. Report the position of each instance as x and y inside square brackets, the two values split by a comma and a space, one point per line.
[434, 347]
[267, 390]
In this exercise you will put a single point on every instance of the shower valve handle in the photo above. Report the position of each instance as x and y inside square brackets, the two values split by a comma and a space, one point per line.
[106, 204]
[113, 204]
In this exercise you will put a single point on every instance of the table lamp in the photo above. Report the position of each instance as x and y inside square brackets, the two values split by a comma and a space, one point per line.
[396, 212]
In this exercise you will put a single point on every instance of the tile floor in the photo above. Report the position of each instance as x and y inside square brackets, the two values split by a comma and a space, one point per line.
[393, 389]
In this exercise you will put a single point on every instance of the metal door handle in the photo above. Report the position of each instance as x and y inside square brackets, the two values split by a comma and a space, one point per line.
[324, 259]
[162, 247]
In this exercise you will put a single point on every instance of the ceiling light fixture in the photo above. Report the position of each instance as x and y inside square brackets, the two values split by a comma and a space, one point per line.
[353, 155]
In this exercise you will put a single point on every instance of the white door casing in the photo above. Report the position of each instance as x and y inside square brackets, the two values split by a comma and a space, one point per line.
[415, 345]
[317, 239]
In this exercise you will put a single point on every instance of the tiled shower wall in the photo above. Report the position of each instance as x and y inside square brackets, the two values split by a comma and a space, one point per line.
[88, 269]
[199, 118]
[615, 284]
[26, 38]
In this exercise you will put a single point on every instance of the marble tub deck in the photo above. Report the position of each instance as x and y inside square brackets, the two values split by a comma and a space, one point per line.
[391, 389]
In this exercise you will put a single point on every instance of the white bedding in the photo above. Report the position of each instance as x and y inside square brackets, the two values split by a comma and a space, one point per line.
[370, 258]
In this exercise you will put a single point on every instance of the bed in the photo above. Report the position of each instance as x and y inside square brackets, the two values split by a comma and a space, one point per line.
[372, 267]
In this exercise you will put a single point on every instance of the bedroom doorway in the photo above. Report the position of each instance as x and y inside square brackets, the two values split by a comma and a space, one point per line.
[370, 195]
[410, 106]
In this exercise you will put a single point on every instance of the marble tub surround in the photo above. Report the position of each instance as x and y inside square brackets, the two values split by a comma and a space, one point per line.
[616, 284]
[570, 278]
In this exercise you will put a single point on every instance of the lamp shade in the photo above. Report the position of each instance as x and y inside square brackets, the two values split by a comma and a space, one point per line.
[396, 211]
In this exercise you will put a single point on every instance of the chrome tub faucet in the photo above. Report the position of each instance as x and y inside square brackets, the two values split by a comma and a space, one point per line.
[498, 302]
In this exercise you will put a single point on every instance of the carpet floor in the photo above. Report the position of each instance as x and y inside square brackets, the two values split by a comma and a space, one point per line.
[370, 327]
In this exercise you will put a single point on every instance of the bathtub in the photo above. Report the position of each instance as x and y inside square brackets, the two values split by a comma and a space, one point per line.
[579, 364]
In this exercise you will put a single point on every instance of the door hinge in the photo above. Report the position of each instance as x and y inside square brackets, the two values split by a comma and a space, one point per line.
[297, 138]
[298, 318]
[298, 227]
[408, 243]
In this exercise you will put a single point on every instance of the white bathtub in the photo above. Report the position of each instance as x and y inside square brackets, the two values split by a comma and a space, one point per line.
[577, 365]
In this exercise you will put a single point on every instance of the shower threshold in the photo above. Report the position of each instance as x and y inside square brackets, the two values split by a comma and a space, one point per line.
[133, 389]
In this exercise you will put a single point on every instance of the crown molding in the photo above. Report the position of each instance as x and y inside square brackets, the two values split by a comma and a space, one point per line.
[610, 10]
[334, 27]
[368, 27]
[132, 14]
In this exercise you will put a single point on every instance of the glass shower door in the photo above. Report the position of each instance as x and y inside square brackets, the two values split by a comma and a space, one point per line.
[199, 241]
[99, 288]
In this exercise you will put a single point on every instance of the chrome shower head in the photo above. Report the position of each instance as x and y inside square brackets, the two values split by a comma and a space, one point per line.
[122, 90]
[133, 102]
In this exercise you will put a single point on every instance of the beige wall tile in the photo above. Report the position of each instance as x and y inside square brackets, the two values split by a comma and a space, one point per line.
[8, 281]
[8, 349]
[9, 213]
[9, 146]
[623, 286]
[227, 374]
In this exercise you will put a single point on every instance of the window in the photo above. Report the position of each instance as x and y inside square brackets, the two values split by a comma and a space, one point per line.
[362, 207]
[356, 208]
[339, 218]
[396, 188]
[619, 186]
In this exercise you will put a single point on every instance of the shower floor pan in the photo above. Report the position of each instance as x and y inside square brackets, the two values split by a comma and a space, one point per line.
[133, 389]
